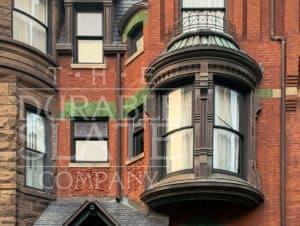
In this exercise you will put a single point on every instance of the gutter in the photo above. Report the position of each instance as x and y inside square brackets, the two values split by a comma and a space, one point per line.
[282, 40]
[118, 128]
[118, 51]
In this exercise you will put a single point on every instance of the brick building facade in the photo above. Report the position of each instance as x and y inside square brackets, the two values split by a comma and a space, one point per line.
[128, 112]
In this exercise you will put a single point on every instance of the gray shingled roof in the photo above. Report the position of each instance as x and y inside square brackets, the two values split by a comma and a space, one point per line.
[121, 6]
[59, 211]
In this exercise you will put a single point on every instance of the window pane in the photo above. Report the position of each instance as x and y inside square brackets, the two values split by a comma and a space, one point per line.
[89, 24]
[30, 32]
[173, 103]
[91, 150]
[36, 132]
[34, 170]
[90, 51]
[138, 143]
[140, 43]
[138, 120]
[179, 151]
[203, 4]
[226, 150]
[90, 129]
[203, 19]
[36, 8]
[227, 108]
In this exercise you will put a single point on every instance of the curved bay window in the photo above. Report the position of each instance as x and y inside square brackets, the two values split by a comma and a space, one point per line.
[178, 132]
[209, 128]
[227, 130]
[30, 23]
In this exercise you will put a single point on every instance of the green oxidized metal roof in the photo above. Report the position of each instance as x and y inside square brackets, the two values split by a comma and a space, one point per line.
[199, 39]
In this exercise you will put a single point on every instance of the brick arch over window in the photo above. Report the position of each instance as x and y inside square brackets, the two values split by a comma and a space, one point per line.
[136, 14]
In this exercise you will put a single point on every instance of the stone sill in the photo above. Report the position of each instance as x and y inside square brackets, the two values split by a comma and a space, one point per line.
[134, 159]
[132, 57]
[88, 165]
[88, 66]
[37, 193]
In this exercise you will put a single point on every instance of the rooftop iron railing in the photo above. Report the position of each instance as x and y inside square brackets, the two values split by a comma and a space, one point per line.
[199, 22]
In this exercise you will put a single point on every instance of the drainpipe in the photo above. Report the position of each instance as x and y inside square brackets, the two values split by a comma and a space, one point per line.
[282, 40]
[118, 128]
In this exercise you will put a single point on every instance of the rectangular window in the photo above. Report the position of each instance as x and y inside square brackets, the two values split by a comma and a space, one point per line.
[136, 134]
[36, 149]
[90, 140]
[89, 36]
[30, 23]
[178, 133]
[209, 14]
[227, 129]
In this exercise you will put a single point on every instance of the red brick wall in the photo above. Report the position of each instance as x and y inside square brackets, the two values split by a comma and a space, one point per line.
[253, 26]
[94, 86]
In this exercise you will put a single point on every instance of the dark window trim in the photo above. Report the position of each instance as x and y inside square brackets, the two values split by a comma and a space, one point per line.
[32, 109]
[47, 26]
[240, 133]
[163, 134]
[87, 8]
[73, 139]
[133, 132]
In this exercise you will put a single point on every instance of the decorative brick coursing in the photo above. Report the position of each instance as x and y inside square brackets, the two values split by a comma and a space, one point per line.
[8, 144]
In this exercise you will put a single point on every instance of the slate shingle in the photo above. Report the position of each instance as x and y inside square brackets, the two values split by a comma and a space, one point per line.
[59, 211]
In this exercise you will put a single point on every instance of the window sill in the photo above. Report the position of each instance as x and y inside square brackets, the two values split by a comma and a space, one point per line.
[88, 66]
[134, 159]
[89, 165]
[36, 192]
[132, 57]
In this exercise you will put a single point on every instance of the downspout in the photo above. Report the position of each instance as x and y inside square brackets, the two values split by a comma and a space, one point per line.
[282, 41]
[118, 128]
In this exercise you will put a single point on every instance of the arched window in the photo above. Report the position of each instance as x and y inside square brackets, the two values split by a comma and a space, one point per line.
[135, 40]
[30, 23]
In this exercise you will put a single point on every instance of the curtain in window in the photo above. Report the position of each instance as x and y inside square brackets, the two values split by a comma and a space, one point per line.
[89, 24]
[37, 9]
[91, 143]
[91, 150]
[175, 102]
[34, 170]
[203, 4]
[227, 134]
[226, 153]
[179, 139]
[36, 129]
[25, 28]
[36, 149]
[89, 37]
[179, 151]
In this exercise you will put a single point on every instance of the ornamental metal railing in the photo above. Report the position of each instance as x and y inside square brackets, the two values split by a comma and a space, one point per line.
[201, 21]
